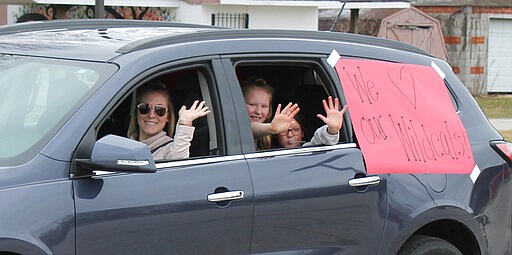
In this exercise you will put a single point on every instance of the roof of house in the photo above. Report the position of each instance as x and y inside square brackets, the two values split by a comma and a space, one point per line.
[323, 4]
[486, 3]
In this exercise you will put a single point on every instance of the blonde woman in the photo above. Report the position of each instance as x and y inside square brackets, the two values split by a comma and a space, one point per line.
[153, 112]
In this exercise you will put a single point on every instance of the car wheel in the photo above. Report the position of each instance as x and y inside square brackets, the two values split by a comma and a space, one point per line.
[428, 245]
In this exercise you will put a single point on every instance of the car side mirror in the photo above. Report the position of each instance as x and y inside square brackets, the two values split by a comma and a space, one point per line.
[119, 154]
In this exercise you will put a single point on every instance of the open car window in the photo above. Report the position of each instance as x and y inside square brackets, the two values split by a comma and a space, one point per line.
[184, 86]
[304, 83]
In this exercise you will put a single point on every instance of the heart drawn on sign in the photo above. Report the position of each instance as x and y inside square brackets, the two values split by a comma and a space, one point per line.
[404, 82]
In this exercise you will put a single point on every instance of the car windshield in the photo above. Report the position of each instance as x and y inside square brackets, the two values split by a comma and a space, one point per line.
[36, 96]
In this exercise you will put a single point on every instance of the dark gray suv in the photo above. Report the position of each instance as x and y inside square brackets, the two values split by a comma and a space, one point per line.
[418, 169]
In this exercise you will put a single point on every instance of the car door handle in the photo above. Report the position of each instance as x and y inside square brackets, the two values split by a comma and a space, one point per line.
[364, 181]
[226, 196]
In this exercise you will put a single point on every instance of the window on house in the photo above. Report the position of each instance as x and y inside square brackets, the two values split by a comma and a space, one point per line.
[230, 20]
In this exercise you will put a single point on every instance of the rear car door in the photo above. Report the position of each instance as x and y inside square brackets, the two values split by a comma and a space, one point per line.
[186, 206]
[308, 200]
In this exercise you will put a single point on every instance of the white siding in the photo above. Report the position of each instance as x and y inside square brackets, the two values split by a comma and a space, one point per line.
[499, 65]
[11, 11]
[281, 17]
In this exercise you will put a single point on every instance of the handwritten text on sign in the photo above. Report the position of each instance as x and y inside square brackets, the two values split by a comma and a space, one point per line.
[403, 118]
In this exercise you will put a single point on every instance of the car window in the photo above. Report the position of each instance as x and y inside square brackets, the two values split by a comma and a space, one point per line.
[302, 83]
[37, 94]
[184, 86]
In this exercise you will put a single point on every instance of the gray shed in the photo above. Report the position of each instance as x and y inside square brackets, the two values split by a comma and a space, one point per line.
[417, 28]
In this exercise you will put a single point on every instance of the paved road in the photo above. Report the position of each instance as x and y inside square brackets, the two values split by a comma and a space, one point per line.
[502, 124]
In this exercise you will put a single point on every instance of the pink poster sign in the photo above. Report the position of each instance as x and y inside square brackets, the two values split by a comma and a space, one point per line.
[403, 118]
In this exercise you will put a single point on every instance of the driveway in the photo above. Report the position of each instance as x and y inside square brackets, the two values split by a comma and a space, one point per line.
[502, 124]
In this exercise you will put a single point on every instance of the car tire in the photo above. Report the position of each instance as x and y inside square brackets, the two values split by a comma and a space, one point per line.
[428, 245]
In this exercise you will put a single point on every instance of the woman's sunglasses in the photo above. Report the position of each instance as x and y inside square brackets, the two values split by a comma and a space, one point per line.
[144, 108]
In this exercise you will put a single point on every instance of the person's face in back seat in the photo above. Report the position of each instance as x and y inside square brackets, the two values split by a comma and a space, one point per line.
[291, 138]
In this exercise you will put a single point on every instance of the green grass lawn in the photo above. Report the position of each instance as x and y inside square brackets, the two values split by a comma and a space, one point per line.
[507, 134]
[499, 107]
[496, 106]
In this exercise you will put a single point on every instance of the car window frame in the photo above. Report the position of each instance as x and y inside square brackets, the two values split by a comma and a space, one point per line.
[206, 65]
[318, 63]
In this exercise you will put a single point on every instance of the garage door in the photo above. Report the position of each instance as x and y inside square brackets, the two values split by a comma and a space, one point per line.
[499, 65]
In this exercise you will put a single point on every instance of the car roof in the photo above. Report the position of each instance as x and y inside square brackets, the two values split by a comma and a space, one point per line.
[104, 39]
[96, 40]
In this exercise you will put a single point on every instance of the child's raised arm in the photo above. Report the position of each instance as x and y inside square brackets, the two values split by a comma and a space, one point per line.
[280, 122]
